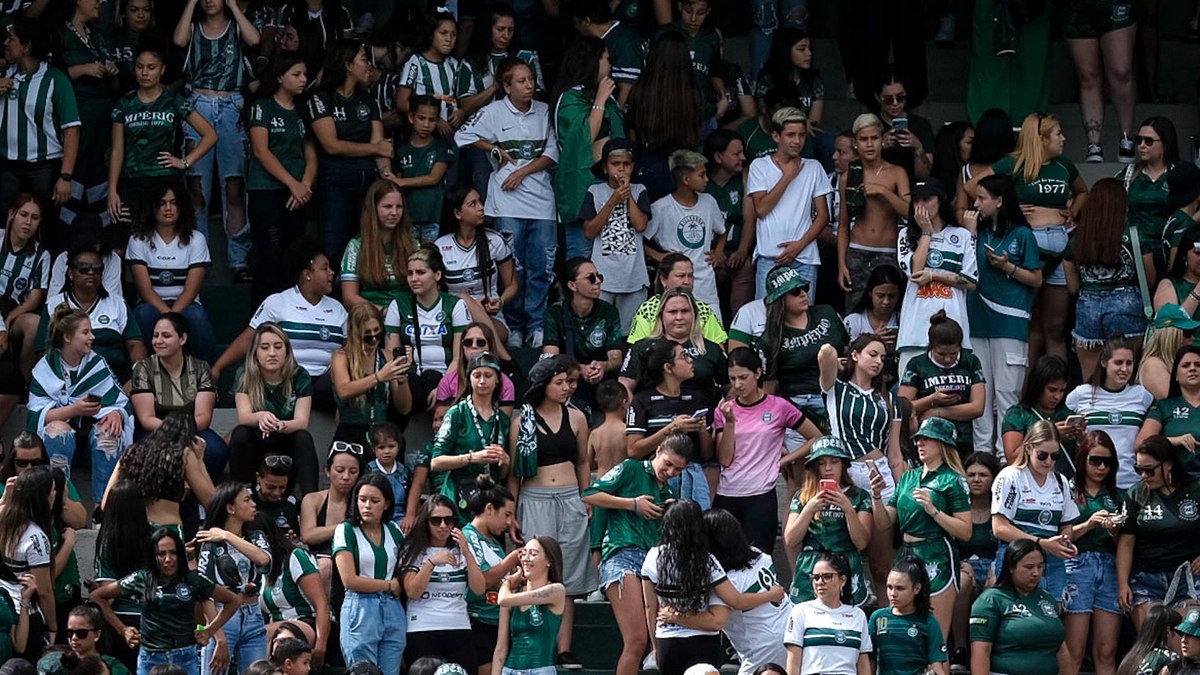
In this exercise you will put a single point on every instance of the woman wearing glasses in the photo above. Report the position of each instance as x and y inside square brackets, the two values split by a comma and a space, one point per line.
[438, 567]
[322, 512]
[1172, 416]
[84, 624]
[1090, 603]
[908, 144]
[1157, 148]
[476, 339]
[810, 649]
[1155, 562]
[274, 398]
[366, 381]
[1031, 501]
[27, 451]
[584, 326]
[1111, 402]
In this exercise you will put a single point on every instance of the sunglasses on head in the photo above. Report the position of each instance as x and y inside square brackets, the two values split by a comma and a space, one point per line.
[89, 268]
[1146, 470]
[343, 446]
[1102, 460]
[475, 343]
[79, 633]
[278, 461]
[26, 463]
[594, 277]
[1042, 455]
[441, 520]
[1144, 140]
[372, 337]
[892, 99]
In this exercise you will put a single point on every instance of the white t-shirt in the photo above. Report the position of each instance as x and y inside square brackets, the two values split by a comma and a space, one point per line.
[315, 331]
[755, 633]
[1036, 510]
[32, 551]
[832, 639]
[618, 252]
[1120, 415]
[793, 215]
[443, 605]
[526, 136]
[951, 250]
[169, 263]
[664, 586]
[858, 324]
[463, 275]
[690, 230]
[750, 322]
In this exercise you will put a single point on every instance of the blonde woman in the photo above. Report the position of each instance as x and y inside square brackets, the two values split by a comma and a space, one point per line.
[274, 398]
[1166, 337]
[375, 262]
[1051, 194]
[1030, 500]
[678, 320]
[367, 380]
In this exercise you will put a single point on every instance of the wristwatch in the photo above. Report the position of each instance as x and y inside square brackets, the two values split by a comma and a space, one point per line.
[65, 176]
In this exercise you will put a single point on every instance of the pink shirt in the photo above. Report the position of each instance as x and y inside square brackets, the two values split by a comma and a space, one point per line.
[448, 389]
[758, 445]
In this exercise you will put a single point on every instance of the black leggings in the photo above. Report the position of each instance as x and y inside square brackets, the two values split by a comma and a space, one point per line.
[452, 646]
[247, 447]
[675, 655]
[758, 514]
[274, 228]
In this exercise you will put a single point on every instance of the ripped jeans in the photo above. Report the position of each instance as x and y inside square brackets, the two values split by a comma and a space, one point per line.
[768, 16]
[62, 440]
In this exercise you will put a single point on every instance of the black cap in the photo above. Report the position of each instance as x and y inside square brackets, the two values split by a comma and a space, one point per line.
[1183, 184]
[928, 187]
[613, 145]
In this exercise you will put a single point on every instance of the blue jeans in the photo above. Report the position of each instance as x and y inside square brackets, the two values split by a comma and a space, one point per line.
[1099, 314]
[578, 246]
[764, 265]
[373, 628]
[691, 484]
[1091, 583]
[533, 244]
[202, 340]
[187, 658]
[247, 635]
[767, 17]
[103, 462]
[1054, 577]
[340, 191]
[424, 232]
[224, 113]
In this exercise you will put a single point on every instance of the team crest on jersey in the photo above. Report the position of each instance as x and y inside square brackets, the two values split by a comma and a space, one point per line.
[1045, 518]
[166, 277]
[1013, 248]
[362, 112]
[441, 316]
[183, 592]
[840, 637]
[912, 631]
[596, 338]
[953, 240]
[1114, 417]
[1188, 510]
[935, 258]
[324, 333]
[469, 274]
[767, 417]
[103, 320]
[735, 197]
[20, 284]
[1048, 608]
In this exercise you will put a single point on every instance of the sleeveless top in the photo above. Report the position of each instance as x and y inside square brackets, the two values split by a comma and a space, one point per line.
[559, 446]
[324, 549]
[534, 633]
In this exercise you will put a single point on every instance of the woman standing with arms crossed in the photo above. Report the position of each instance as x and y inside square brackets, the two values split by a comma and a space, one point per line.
[366, 549]
[550, 469]
[932, 508]
[532, 601]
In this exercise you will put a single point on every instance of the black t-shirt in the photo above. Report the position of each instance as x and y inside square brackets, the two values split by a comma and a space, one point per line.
[651, 411]
[710, 367]
[285, 513]
[168, 615]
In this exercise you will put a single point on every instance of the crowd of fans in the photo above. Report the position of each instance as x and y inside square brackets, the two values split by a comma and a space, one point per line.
[640, 294]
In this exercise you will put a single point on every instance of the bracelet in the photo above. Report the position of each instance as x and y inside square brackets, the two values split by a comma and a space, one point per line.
[635, 507]
[377, 377]
[597, 107]
[186, 164]
[1192, 294]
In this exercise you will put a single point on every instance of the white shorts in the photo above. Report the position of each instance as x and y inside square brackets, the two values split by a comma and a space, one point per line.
[860, 475]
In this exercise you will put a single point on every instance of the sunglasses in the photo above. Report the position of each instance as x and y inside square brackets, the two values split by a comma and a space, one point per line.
[1102, 460]
[278, 461]
[79, 633]
[438, 521]
[1144, 140]
[823, 576]
[1042, 455]
[343, 446]
[798, 291]
[1146, 470]
[89, 268]
[891, 99]
[372, 337]
[26, 463]
[475, 343]
[594, 277]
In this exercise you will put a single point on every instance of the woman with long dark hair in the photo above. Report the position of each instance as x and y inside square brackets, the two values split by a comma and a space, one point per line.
[292, 593]
[438, 567]
[1043, 399]
[25, 527]
[1156, 645]
[1171, 416]
[119, 553]
[1103, 271]
[323, 511]
[952, 150]
[15, 616]
[1091, 605]
[667, 110]
[283, 168]
[26, 451]
[947, 380]
[477, 84]
[979, 552]
[809, 651]
[1179, 286]
[1157, 150]
[1010, 272]
[585, 116]
[879, 313]
[375, 264]
[1112, 402]
[993, 140]
[905, 635]
[367, 549]
[67, 584]
[493, 507]
[24, 288]
[368, 383]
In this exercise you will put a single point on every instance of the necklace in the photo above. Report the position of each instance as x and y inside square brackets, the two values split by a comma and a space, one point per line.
[86, 39]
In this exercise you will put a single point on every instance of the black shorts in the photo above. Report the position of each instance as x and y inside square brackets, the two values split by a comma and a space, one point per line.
[484, 636]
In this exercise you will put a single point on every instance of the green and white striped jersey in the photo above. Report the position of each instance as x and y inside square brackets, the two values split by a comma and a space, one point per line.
[23, 271]
[370, 560]
[39, 105]
[284, 600]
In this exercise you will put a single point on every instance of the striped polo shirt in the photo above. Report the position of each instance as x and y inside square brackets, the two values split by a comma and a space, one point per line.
[38, 105]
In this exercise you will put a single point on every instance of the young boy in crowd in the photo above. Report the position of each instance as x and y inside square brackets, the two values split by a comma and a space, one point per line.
[422, 162]
[606, 448]
[273, 498]
[616, 213]
[388, 445]
[292, 656]
[689, 221]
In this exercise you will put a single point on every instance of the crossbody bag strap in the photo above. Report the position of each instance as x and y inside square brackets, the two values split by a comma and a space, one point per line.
[1135, 238]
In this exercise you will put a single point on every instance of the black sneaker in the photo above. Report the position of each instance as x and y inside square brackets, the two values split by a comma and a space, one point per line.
[567, 661]
[1095, 153]
[1126, 152]
[242, 275]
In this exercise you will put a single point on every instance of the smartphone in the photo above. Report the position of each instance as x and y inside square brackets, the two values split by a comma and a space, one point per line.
[900, 124]
[92, 398]
[1076, 421]
[989, 249]
[700, 414]
[397, 353]
[828, 485]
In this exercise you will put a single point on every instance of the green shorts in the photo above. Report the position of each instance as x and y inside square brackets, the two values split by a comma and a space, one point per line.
[1089, 19]
[860, 583]
[941, 560]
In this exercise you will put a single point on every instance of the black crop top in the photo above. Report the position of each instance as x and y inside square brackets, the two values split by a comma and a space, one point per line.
[559, 446]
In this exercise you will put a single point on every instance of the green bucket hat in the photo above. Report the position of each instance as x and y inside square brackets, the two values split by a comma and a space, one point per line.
[1174, 316]
[782, 279]
[827, 446]
[939, 430]
[1190, 624]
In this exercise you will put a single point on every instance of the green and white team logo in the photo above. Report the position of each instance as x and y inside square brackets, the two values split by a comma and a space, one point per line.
[596, 337]
[691, 231]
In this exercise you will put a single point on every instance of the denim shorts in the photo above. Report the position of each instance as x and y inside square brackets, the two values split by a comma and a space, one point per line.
[813, 407]
[224, 113]
[1052, 240]
[1154, 586]
[623, 562]
[1054, 576]
[1091, 583]
[1099, 314]
[980, 567]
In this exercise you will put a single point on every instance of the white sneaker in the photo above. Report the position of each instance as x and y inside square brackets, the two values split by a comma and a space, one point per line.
[535, 339]
[649, 663]
[595, 596]
[516, 339]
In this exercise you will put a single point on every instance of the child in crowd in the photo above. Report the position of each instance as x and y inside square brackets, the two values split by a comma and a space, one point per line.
[690, 222]
[387, 442]
[292, 656]
[616, 211]
[606, 443]
[422, 162]
[431, 71]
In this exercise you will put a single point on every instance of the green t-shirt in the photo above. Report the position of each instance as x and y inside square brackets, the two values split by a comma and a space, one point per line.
[533, 631]
[1098, 539]
[626, 529]
[797, 371]
[275, 400]
[705, 50]
[102, 565]
[587, 338]
[1024, 631]
[927, 377]
[120, 51]
[626, 52]
[371, 407]
[905, 644]
[149, 129]
[1051, 188]
[8, 620]
[488, 552]
[729, 199]
[948, 492]
[352, 118]
[573, 175]
[380, 296]
[1149, 208]
[286, 133]
[1178, 417]
[1178, 223]
[169, 613]
[1000, 307]
[1021, 417]
[828, 530]
[758, 141]
[1102, 278]
[424, 204]
[463, 432]
[1157, 521]
[75, 49]
[1154, 661]
[66, 580]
